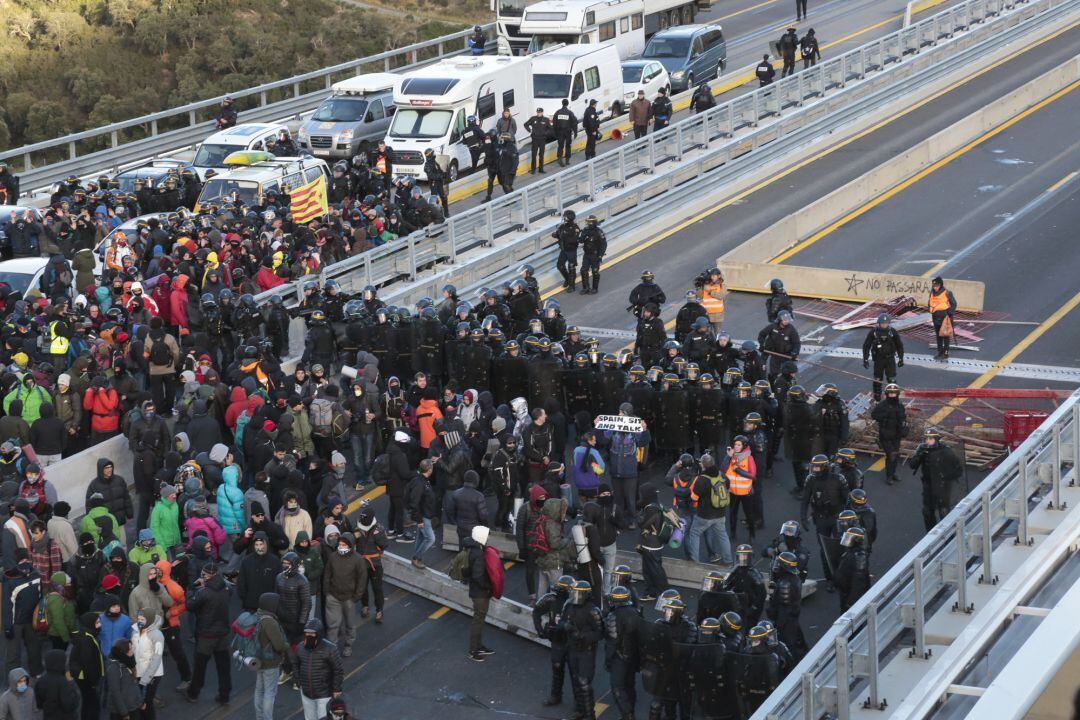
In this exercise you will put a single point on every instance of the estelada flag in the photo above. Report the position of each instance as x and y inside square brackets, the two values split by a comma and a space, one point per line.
[308, 202]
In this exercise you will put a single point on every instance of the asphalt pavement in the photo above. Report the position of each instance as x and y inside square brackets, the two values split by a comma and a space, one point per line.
[414, 665]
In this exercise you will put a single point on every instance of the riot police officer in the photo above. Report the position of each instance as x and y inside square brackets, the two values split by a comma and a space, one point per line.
[688, 315]
[593, 249]
[780, 649]
[715, 600]
[778, 300]
[731, 634]
[853, 570]
[848, 468]
[824, 495]
[644, 293]
[832, 417]
[785, 603]
[941, 470]
[867, 516]
[790, 540]
[547, 619]
[712, 671]
[884, 346]
[583, 628]
[761, 675]
[437, 180]
[621, 623]
[673, 629]
[747, 583]
[779, 341]
[567, 234]
[320, 344]
[891, 418]
[277, 325]
[650, 335]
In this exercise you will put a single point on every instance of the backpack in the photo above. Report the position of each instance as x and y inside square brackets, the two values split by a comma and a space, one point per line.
[718, 495]
[380, 469]
[159, 351]
[670, 521]
[40, 620]
[459, 566]
[536, 536]
[246, 648]
[321, 414]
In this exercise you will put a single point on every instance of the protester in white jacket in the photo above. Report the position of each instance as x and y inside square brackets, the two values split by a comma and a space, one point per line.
[149, 646]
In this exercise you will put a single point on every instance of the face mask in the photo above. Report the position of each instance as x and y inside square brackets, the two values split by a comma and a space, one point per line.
[141, 623]
[22, 687]
[338, 716]
[154, 586]
[343, 551]
[357, 392]
[119, 562]
[32, 479]
[112, 614]
[149, 415]
[288, 570]
[309, 642]
[293, 509]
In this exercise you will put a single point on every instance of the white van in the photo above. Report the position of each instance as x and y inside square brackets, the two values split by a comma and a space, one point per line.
[434, 102]
[211, 153]
[249, 183]
[359, 108]
[578, 73]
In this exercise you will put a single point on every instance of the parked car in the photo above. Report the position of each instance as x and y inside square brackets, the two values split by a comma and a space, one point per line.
[153, 172]
[647, 75]
[690, 53]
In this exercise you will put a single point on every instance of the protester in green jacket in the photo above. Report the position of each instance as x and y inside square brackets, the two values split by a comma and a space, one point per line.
[60, 612]
[32, 397]
[97, 509]
[165, 517]
[147, 549]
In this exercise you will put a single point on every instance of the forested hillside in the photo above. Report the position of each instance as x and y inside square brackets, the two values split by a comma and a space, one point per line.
[68, 65]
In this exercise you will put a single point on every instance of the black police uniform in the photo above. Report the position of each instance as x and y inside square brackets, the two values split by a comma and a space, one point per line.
[566, 129]
[650, 340]
[891, 418]
[547, 619]
[779, 343]
[785, 604]
[539, 127]
[852, 576]
[590, 122]
[568, 236]
[832, 414]
[645, 293]
[593, 249]
[941, 470]
[621, 626]
[437, 181]
[886, 349]
[583, 627]
[748, 584]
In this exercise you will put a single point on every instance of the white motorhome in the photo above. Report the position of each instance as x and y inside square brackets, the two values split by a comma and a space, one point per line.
[578, 73]
[434, 102]
[627, 23]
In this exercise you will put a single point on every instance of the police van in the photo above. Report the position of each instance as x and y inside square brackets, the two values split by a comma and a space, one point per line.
[249, 183]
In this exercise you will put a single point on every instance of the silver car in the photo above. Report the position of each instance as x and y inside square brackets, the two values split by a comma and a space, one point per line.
[359, 109]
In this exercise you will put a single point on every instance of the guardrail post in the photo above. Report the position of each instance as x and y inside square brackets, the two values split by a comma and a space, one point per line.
[367, 271]
[490, 219]
[441, 51]
[1055, 468]
[296, 89]
[592, 180]
[27, 166]
[1022, 502]
[872, 668]
[807, 684]
[262, 98]
[756, 106]
[386, 64]
[413, 57]
[918, 652]
[961, 569]
[71, 150]
[329, 82]
[115, 137]
[412, 259]
[191, 117]
[987, 577]
[843, 680]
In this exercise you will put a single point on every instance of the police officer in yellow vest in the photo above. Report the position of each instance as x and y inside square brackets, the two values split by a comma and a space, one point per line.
[59, 338]
[712, 298]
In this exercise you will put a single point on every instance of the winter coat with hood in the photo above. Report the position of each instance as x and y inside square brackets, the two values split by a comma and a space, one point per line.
[294, 599]
[15, 705]
[237, 404]
[68, 407]
[32, 396]
[345, 576]
[59, 611]
[202, 522]
[301, 433]
[527, 515]
[466, 507]
[178, 302]
[13, 427]
[144, 597]
[203, 431]
[145, 466]
[230, 502]
[47, 432]
[558, 544]
[141, 424]
[319, 669]
[86, 661]
[269, 631]
[149, 646]
[427, 413]
[57, 696]
[176, 610]
[103, 405]
[113, 629]
[124, 696]
[165, 522]
[210, 604]
[293, 522]
[258, 573]
[114, 490]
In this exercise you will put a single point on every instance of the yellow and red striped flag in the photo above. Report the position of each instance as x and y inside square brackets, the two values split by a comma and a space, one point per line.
[308, 202]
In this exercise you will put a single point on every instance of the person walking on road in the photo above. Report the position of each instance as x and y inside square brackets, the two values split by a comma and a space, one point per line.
[566, 130]
[788, 44]
[344, 580]
[765, 71]
[800, 10]
[319, 670]
[210, 605]
[640, 110]
[942, 306]
[539, 127]
[481, 591]
[808, 46]
[941, 470]
[661, 110]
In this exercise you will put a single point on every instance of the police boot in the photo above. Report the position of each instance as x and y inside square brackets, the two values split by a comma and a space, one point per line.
[572, 280]
[587, 700]
[557, 673]
[581, 710]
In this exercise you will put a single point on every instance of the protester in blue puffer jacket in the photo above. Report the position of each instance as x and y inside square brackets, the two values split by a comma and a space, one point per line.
[230, 502]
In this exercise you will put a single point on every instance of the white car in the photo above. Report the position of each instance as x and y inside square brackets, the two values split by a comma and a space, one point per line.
[647, 75]
[22, 273]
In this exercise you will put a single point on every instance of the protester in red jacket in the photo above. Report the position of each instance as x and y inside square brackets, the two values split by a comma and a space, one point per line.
[103, 404]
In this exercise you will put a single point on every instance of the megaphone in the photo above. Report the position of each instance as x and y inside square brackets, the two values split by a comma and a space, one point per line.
[616, 134]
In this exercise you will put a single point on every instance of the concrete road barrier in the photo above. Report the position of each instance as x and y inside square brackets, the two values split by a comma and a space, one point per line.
[852, 285]
[71, 475]
[508, 615]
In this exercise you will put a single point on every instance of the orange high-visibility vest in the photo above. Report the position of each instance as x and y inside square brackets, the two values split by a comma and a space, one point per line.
[712, 298]
[740, 484]
[939, 302]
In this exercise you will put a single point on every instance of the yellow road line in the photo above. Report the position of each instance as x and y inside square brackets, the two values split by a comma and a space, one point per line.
[924, 6]
[439, 613]
[555, 290]
[1060, 182]
[376, 492]
[740, 12]
[897, 189]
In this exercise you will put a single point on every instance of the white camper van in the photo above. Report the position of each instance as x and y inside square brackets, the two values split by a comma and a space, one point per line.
[578, 73]
[434, 102]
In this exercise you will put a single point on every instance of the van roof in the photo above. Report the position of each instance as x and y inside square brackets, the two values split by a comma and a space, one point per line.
[243, 133]
[561, 58]
[260, 170]
[451, 80]
[686, 30]
[366, 84]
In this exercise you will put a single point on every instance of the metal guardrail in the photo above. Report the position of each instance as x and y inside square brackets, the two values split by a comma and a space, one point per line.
[154, 134]
[722, 143]
[891, 617]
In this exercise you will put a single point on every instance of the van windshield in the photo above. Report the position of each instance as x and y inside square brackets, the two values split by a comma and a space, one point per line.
[551, 86]
[223, 188]
[511, 8]
[341, 109]
[411, 123]
[667, 48]
[540, 42]
[214, 155]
